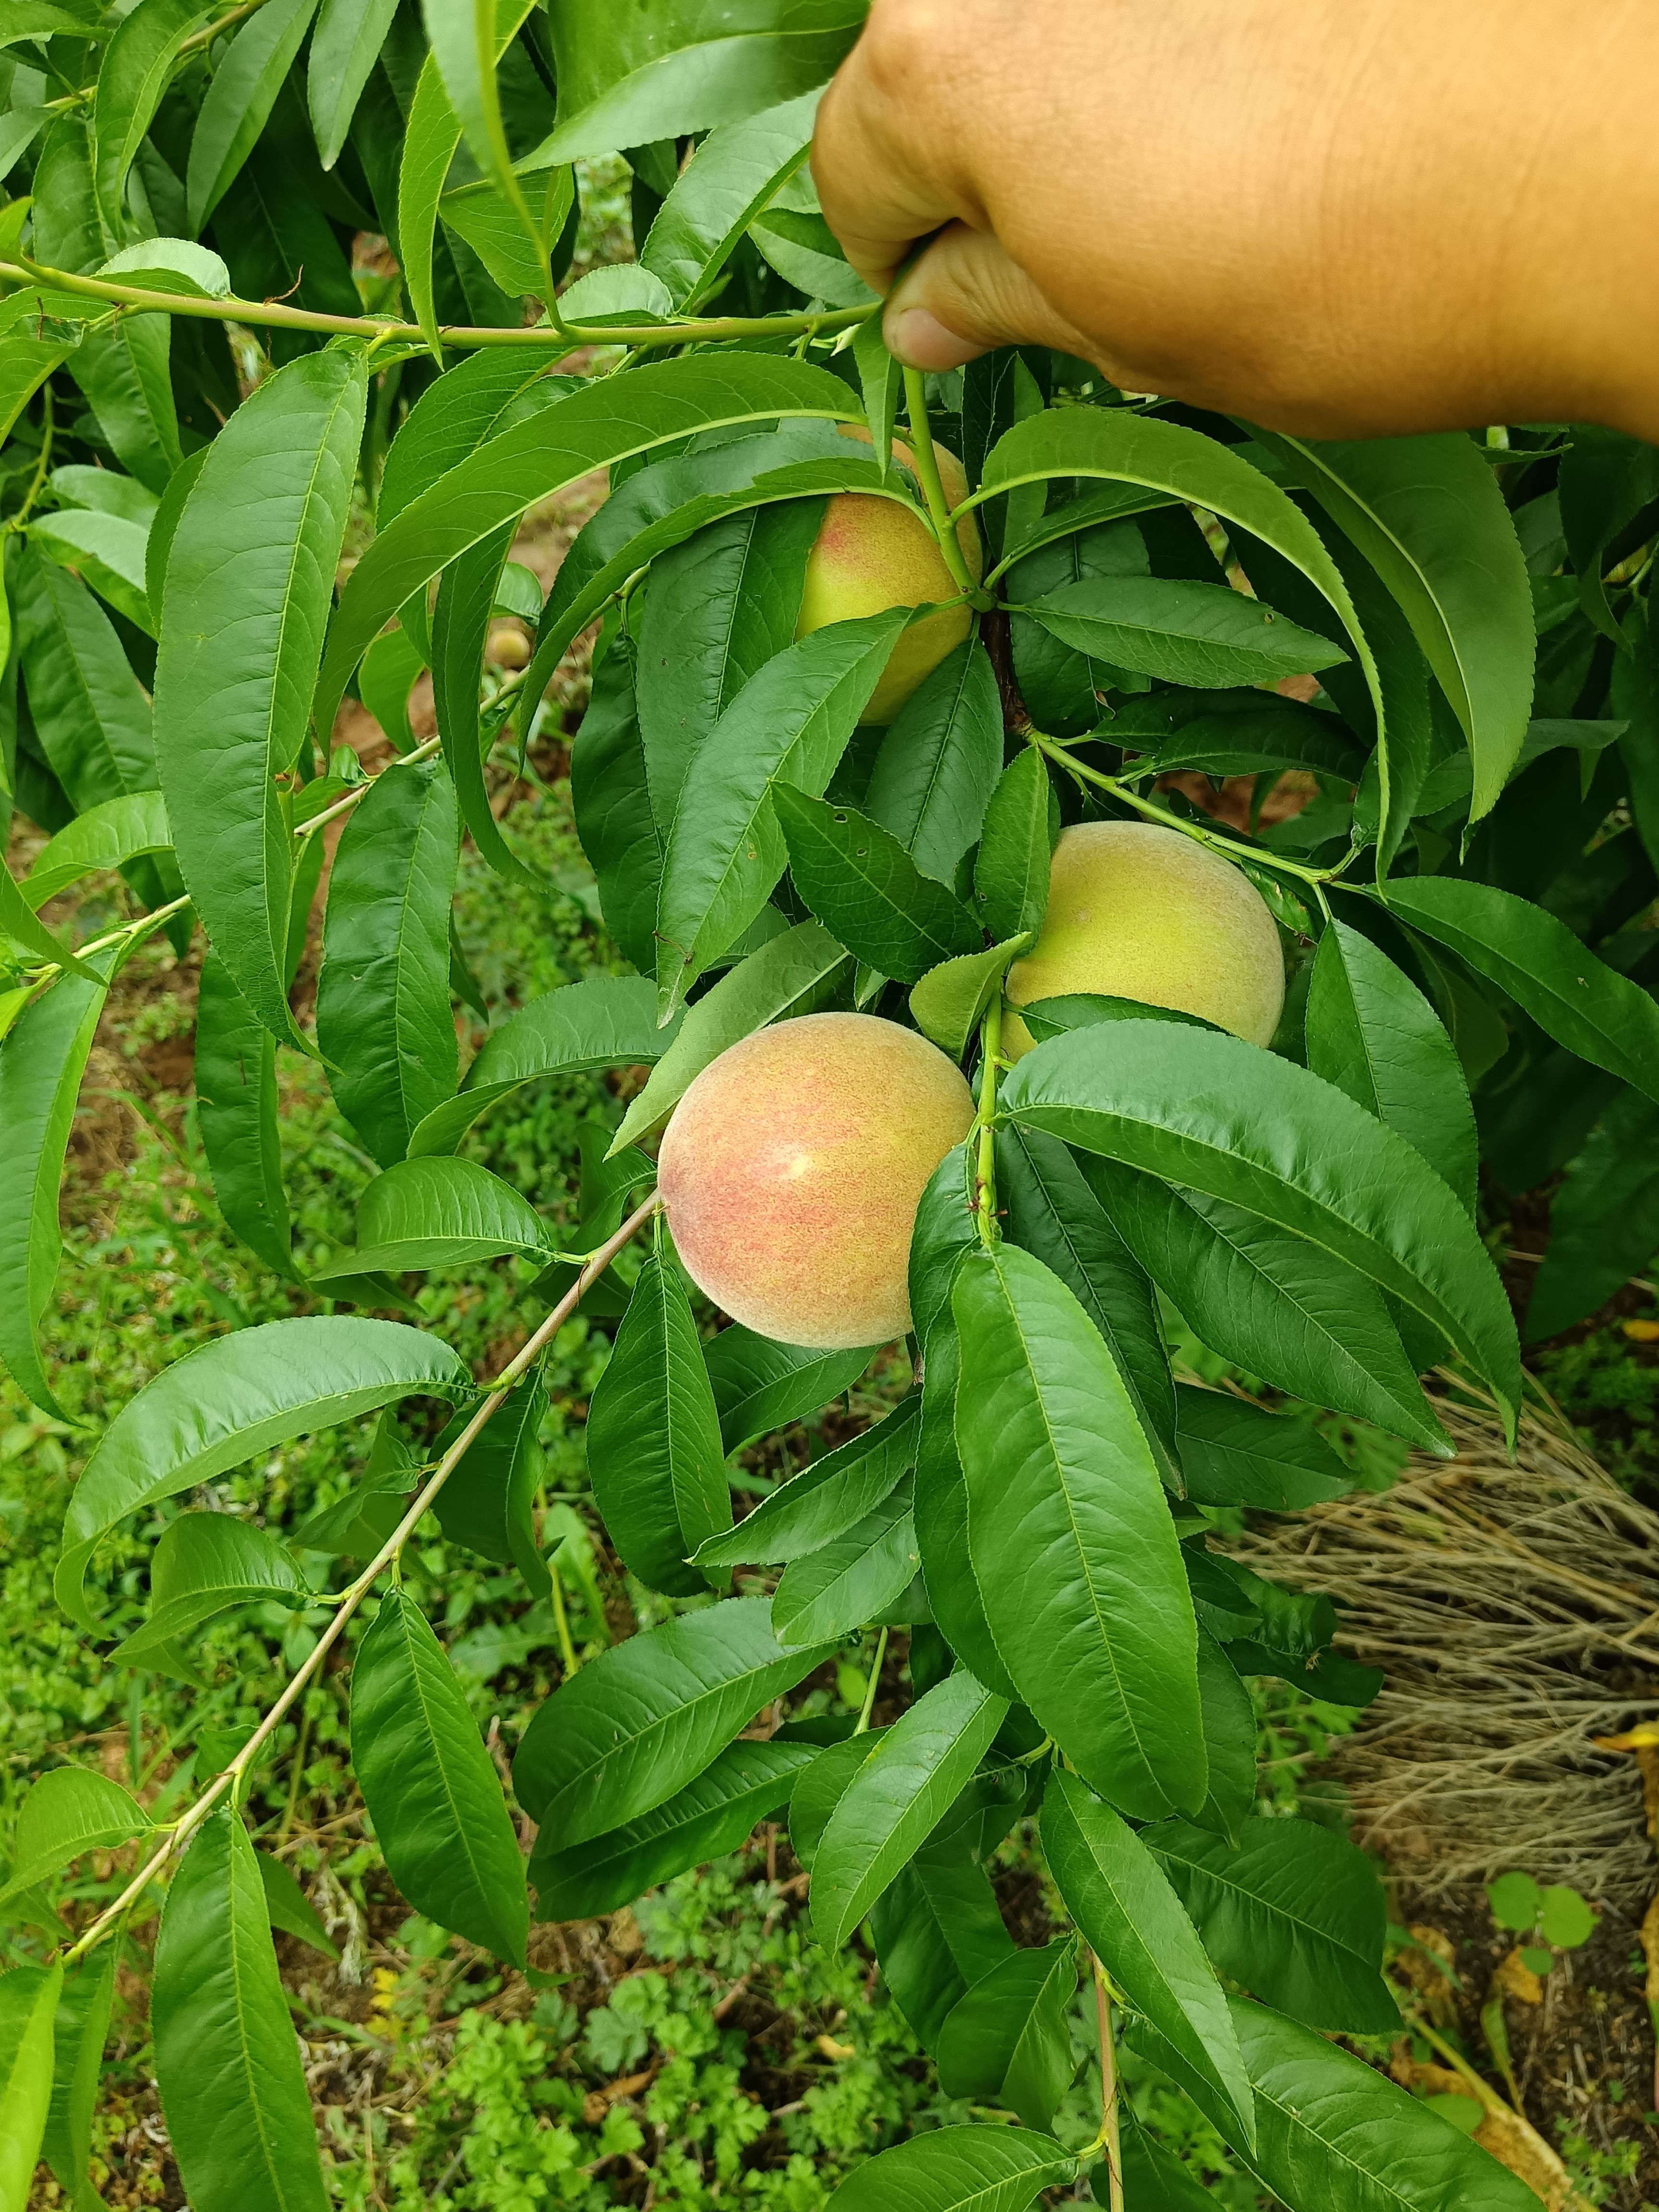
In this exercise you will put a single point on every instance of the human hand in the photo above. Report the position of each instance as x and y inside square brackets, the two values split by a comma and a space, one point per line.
[1344, 217]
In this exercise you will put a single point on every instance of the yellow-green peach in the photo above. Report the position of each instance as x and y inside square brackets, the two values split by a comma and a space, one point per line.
[792, 1170]
[1136, 911]
[870, 554]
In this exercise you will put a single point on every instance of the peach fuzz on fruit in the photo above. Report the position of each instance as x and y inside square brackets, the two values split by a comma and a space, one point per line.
[792, 1170]
[1137, 911]
[870, 554]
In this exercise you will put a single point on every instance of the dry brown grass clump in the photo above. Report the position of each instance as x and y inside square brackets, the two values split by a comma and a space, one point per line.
[1514, 1606]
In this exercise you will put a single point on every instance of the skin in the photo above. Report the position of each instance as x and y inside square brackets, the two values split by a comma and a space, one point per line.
[871, 554]
[792, 1170]
[1346, 218]
[1139, 912]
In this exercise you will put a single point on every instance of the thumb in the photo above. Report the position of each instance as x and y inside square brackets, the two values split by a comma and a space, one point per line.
[962, 295]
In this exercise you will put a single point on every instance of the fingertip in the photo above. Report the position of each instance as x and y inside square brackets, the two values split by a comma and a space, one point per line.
[916, 336]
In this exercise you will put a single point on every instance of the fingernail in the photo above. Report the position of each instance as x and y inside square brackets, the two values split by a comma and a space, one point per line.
[916, 336]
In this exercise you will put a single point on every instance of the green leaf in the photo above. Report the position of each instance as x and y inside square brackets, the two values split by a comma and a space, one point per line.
[36, 19]
[1155, 2180]
[1050, 1211]
[760, 1386]
[880, 378]
[820, 1788]
[227, 2061]
[662, 506]
[233, 1398]
[42, 1059]
[1205, 635]
[626, 80]
[939, 762]
[487, 393]
[70, 1810]
[963, 2169]
[825, 1500]
[489, 1503]
[430, 1786]
[163, 526]
[654, 1438]
[733, 173]
[391, 669]
[235, 1081]
[92, 721]
[1012, 2028]
[431, 136]
[587, 429]
[942, 1517]
[1565, 1921]
[1516, 1901]
[31, 348]
[1010, 875]
[344, 46]
[249, 580]
[1168, 460]
[136, 66]
[937, 1930]
[1254, 1130]
[1372, 1033]
[241, 95]
[711, 1816]
[203, 1564]
[123, 372]
[1296, 1911]
[896, 1796]
[1604, 1219]
[78, 2033]
[1269, 740]
[440, 1213]
[1605, 480]
[1233, 1453]
[604, 1021]
[950, 1000]
[467, 42]
[1073, 1545]
[644, 1718]
[1133, 1921]
[806, 253]
[1429, 515]
[1062, 687]
[721, 605]
[484, 215]
[1229, 1740]
[611, 799]
[1271, 1303]
[19, 922]
[862, 884]
[108, 552]
[1537, 961]
[859, 1575]
[1333, 2130]
[789, 974]
[28, 2004]
[291, 1909]
[789, 723]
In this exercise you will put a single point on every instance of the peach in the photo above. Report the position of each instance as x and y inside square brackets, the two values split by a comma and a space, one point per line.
[871, 553]
[792, 1170]
[1136, 911]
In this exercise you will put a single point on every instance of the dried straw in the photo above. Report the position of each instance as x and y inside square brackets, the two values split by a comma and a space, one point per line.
[1514, 1606]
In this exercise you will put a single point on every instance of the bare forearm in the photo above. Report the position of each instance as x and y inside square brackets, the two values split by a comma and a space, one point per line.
[1344, 216]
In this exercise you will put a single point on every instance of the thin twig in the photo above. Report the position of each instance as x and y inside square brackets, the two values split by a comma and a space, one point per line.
[274, 314]
[350, 1599]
